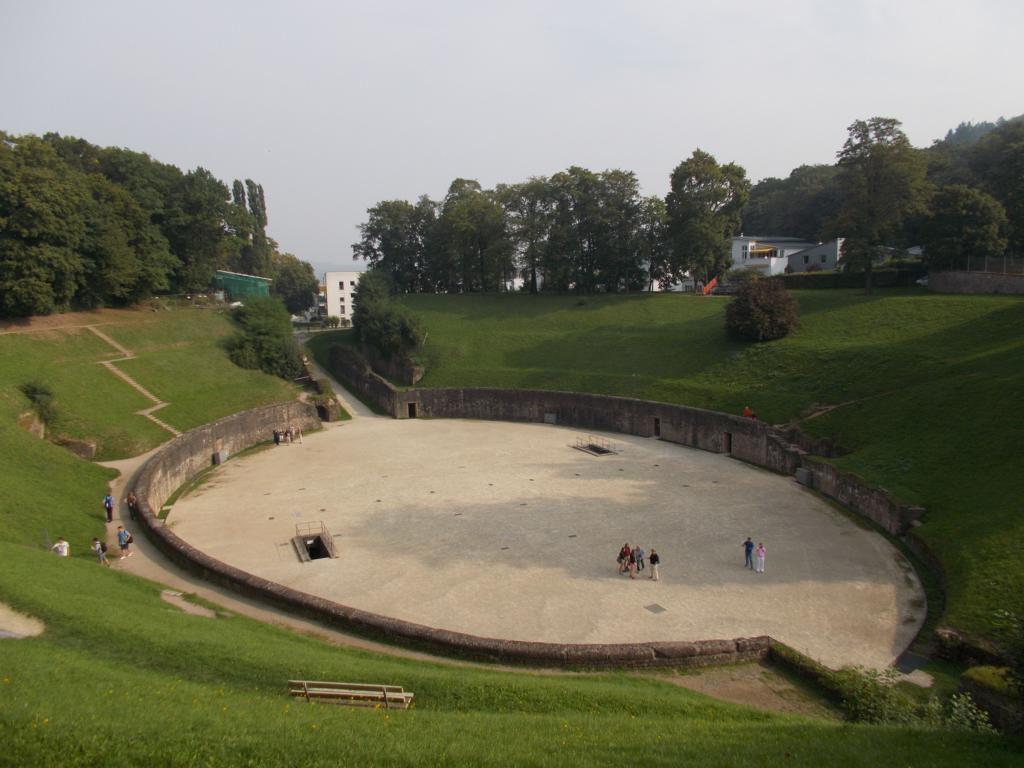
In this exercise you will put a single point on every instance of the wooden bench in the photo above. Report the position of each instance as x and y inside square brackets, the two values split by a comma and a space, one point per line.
[351, 694]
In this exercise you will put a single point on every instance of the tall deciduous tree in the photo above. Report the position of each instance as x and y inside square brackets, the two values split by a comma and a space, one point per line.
[704, 207]
[393, 240]
[528, 207]
[472, 223]
[882, 178]
[798, 206]
[965, 223]
[998, 162]
[652, 245]
[294, 282]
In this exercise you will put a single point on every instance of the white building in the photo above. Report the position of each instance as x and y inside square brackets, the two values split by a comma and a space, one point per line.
[777, 255]
[338, 290]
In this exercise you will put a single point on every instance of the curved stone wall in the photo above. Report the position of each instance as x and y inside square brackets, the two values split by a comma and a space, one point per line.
[186, 456]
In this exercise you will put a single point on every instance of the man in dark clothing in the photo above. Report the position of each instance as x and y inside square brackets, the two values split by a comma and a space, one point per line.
[748, 549]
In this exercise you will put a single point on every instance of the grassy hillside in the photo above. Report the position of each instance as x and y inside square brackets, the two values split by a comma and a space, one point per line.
[120, 678]
[934, 382]
[178, 359]
[45, 491]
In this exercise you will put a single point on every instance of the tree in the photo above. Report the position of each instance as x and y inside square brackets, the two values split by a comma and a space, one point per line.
[294, 282]
[42, 226]
[528, 210]
[652, 246]
[998, 162]
[394, 240]
[882, 178]
[475, 237]
[382, 322]
[704, 207]
[265, 340]
[798, 206]
[965, 224]
[194, 223]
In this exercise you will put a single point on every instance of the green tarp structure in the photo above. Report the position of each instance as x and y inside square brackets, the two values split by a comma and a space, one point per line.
[238, 286]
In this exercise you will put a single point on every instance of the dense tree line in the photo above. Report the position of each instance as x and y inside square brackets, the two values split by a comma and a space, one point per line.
[593, 231]
[576, 230]
[84, 226]
[962, 195]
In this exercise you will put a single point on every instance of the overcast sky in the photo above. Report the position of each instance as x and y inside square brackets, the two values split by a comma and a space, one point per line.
[333, 106]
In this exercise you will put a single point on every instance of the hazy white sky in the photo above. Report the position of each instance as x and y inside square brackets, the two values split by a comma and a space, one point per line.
[333, 106]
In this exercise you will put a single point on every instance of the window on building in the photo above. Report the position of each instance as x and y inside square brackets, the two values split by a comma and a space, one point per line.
[807, 259]
[352, 284]
[341, 284]
[824, 258]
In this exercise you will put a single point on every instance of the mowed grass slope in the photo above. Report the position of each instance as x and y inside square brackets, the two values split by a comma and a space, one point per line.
[179, 360]
[121, 678]
[46, 491]
[929, 386]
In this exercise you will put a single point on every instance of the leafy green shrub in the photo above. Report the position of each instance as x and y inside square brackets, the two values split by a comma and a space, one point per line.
[381, 321]
[265, 341]
[871, 696]
[761, 311]
[41, 397]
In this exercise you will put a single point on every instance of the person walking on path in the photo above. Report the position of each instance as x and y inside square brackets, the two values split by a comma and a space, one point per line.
[108, 504]
[62, 548]
[632, 564]
[654, 561]
[639, 554]
[761, 552]
[748, 549]
[100, 548]
[277, 437]
[124, 540]
[133, 504]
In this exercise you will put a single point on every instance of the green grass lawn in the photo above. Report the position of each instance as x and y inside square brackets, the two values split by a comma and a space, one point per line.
[91, 403]
[121, 678]
[179, 360]
[937, 380]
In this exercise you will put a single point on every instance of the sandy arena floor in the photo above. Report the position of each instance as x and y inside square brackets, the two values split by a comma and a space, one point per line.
[505, 530]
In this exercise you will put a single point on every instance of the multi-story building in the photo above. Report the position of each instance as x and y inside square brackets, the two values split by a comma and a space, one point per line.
[338, 290]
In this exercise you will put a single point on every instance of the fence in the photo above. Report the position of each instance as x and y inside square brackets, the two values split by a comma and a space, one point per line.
[1004, 265]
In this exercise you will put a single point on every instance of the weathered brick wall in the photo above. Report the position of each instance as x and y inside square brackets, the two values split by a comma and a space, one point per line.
[975, 282]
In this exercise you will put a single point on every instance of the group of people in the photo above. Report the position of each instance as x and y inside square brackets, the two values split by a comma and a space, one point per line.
[124, 541]
[754, 556]
[124, 538]
[287, 436]
[631, 560]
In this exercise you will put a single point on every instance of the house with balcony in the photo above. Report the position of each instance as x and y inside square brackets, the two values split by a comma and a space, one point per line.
[778, 255]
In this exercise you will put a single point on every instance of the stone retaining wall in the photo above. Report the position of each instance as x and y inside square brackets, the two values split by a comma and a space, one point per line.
[975, 282]
[186, 456]
[746, 439]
